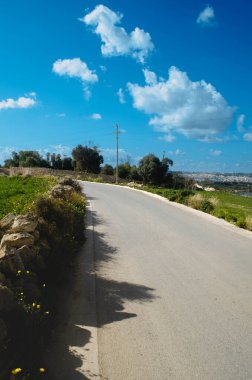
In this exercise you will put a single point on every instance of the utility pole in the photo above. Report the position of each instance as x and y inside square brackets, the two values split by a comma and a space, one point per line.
[117, 150]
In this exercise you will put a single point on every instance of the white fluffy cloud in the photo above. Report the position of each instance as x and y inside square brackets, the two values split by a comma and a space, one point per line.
[193, 109]
[21, 102]
[115, 40]
[215, 152]
[121, 96]
[247, 137]
[240, 123]
[75, 68]
[206, 17]
[96, 116]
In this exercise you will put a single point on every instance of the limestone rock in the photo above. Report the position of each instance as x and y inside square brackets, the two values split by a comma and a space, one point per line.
[7, 251]
[61, 191]
[6, 298]
[25, 223]
[12, 263]
[27, 254]
[16, 240]
[7, 222]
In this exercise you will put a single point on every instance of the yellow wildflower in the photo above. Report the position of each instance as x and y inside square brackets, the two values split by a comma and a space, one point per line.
[38, 306]
[42, 370]
[34, 304]
[16, 370]
[27, 271]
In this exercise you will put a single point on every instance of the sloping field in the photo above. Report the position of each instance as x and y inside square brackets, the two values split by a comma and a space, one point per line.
[17, 193]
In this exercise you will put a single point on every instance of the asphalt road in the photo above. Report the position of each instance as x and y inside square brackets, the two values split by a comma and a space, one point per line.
[173, 290]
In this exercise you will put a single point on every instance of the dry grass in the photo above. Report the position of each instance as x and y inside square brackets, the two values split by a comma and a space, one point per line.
[195, 201]
[249, 223]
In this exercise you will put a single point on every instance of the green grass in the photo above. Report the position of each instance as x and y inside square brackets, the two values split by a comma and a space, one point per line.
[228, 206]
[231, 207]
[17, 193]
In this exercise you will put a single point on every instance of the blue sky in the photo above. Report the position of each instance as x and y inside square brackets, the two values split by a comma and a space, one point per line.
[175, 75]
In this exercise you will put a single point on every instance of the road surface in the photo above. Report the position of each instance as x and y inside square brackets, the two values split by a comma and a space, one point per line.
[173, 290]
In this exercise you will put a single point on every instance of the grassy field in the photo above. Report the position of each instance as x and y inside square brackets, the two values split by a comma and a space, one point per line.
[17, 193]
[225, 205]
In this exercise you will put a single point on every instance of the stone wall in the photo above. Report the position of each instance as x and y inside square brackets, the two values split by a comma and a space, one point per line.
[4, 171]
[54, 172]
[33, 250]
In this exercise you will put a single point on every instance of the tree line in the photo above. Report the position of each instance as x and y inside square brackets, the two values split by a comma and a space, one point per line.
[150, 170]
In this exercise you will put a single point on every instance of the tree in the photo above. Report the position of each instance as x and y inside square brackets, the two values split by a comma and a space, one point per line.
[108, 170]
[152, 170]
[67, 163]
[26, 158]
[124, 170]
[87, 159]
[134, 174]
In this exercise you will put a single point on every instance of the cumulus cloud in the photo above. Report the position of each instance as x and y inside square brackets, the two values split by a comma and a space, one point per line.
[247, 137]
[206, 17]
[121, 96]
[21, 102]
[115, 40]
[215, 152]
[240, 123]
[61, 114]
[75, 68]
[96, 116]
[193, 109]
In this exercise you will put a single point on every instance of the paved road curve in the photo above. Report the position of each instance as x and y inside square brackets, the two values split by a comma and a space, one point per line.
[173, 290]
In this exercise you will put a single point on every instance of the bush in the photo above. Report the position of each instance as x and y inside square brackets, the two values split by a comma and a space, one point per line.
[249, 223]
[206, 206]
[71, 182]
[195, 201]
[198, 202]
[108, 170]
[64, 222]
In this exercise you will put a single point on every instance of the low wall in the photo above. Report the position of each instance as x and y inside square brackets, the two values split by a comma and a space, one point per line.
[54, 172]
[4, 171]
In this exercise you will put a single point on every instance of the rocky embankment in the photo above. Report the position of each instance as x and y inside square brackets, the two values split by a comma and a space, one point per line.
[32, 246]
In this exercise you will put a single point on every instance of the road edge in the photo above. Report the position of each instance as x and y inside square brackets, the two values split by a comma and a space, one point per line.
[90, 366]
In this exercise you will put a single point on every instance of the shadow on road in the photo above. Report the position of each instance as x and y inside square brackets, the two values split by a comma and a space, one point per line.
[66, 355]
[110, 294]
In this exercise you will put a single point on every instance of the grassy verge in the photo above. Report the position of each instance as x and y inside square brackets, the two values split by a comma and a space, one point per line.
[233, 208]
[17, 193]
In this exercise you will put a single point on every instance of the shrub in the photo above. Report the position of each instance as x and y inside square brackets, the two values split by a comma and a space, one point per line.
[249, 223]
[241, 223]
[107, 170]
[206, 206]
[71, 182]
[198, 202]
[195, 201]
